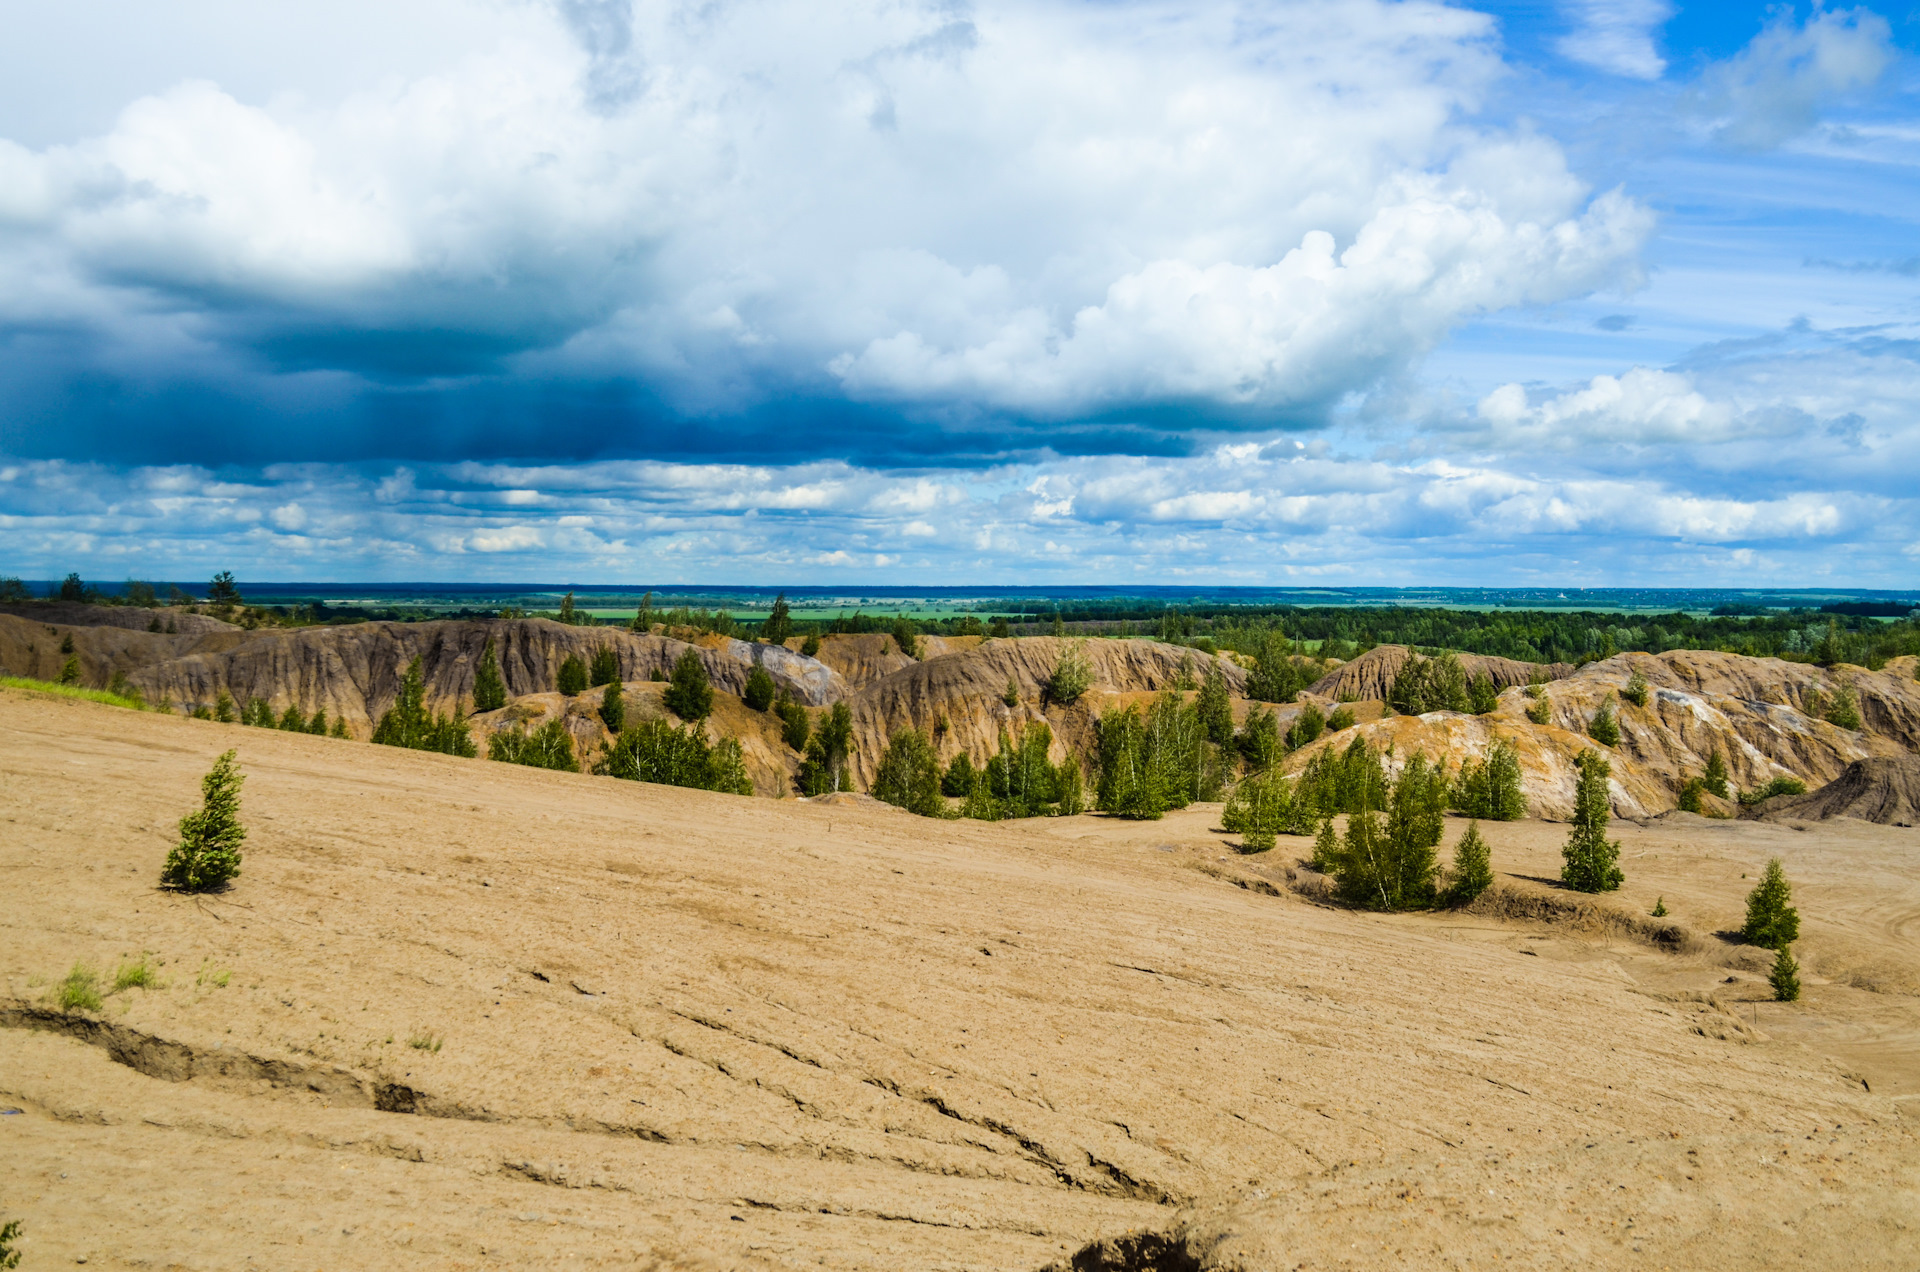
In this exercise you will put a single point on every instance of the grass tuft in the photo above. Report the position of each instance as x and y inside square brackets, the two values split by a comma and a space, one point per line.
[425, 1041]
[72, 691]
[141, 975]
[79, 990]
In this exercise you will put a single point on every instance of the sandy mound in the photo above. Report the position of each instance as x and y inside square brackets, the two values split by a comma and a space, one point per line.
[1371, 674]
[1883, 791]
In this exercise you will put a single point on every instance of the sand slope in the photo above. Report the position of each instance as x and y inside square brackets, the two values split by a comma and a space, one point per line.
[679, 1029]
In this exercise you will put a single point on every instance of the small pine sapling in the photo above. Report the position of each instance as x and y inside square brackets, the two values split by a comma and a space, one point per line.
[1844, 710]
[1690, 795]
[9, 1236]
[1785, 976]
[1604, 728]
[223, 708]
[208, 854]
[759, 691]
[689, 694]
[1326, 847]
[318, 725]
[1342, 718]
[1540, 710]
[1772, 921]
[1636, 690]
[1659, 907]
[1472, 868]
[810, 647]
[1592, 860]
[1715, 778]
[339, 729]
[906, 636]
[960, 777]
[294, 720]
[70, 671]
[1012, 696]
[613, 707]
[1073, 676]
[489, 686]
[573, 676]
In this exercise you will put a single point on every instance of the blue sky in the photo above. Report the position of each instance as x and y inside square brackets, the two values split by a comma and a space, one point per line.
[1581, 292]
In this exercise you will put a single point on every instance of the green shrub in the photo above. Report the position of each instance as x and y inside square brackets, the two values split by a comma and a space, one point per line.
[1484, 694]
[223, 590]
[1591, 859]
[1715, 778]
[9, 1231]
[201, 713]
[1784, 977]
[79, 990]
[1844, 711]
[1659, 910]
[1472, 871]
[1342, 718]
[223, 708]
[1540, 710]
[613, 707]
[70, 671]
[1772, 921]
[1072, 674]
[1349, 781]
[1326, 847]
[1307, 727]
[1260, 808]
[1276, 675]
[1489, 789]
[489, 686]
[826, 767]
[572, 679]
[408, 723]
[85, 695]
[1012, 695]
[1154, 762]
[294, 720]
[1422, 685]
[208, 854]
[339, 729]
[778, 627]
[909, 775]
[605, 668]
[960, 777]
[760, 689]
[1258, 740]
[1216, 705]
[655, 751]
[906, 636]
[689, 694]
[549, 747]
[1778, 786]
[1690, 795]
[795, 724]
[1069, 788]
[810, 647]
[1390, 864]
[1604, 728]
[1636, 690]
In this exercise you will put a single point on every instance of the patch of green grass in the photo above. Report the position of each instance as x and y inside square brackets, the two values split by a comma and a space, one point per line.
[139, 975]
[80, 989]
[72, 691]
[211, 975]
[425, 1041]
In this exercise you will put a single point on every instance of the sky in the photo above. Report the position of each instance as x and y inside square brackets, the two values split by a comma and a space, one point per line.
[1568, 292]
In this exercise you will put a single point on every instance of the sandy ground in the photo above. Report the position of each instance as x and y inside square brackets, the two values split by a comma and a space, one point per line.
[457, 1014]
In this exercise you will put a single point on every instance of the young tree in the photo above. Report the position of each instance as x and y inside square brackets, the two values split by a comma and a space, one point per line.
[1604, 728]
[906, 636]
[1342, 718]
[760, 689]
[573, 676]
[1258, 740]
[293, 720]
[1785, 976]
[613, 707]
[1591, 859]
[1637, 689]
[1483, 694]
[549, 747]
[318, 725]
[1072, 674]
[568, 614]
[1472, 868]
[1000, 629]
[139, 593]
[489, 686]
[1216, 705]
[70, 671]
[1307, 727]
[408, 723]
[810, 647]
[1772, 921]
[795, 724]
[339, 729]
[1012, 695]
[1069, 789]
[689, 694]
[909, 775]
[1506, 801]
[223, 591]
[1715, 779]
[826, 768]
[208, 854]
[960, 777]
[13, 591]
[223, 707]
[1844, 711]
[1259, 810]
[1326, 847]
[605, 668]
[778, 628]
[72, 589]
[1540, 710]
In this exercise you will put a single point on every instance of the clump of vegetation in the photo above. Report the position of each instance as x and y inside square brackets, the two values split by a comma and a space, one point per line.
[1784, 976]
[104, 696]
[1659, 910]
[1215, 705]
[1011, 697]
[424, 1040]
[906, 636]
[1690, 795]
[78, 990]
[827, 767]
[489, 686]
[572, 679]
[139, 974]
[408, 723]
[1259, 810]
[613, 707]
[1258, 741]
[1307, 727]
[1342, 718]
[759, 691]
[1390, 864]
[1591, 859]
[1778, 786]
[1489, 789]
[1472, 872]
[1423, 685]
[778, 627]
[1072, 674]
[208, 854]
[1637, 689]
[605, 667]
[909, 775]
[1772, 921]
[1160, 760]
[549, 747]
[810, 647]
[1483, 694]
[795, 725]
[960, 777]
[1336, 781]
[223, 707]
[1540, 709]
[9, 1235]
[1844, 710]
[1277, 672]
[689, 693]
[655, 751]
[1604, 728]
[1019, 781]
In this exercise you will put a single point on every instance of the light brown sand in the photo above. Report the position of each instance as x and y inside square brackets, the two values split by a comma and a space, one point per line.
[678, 1029]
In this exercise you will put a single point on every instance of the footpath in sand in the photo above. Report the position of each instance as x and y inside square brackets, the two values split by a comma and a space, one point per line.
[461, 1014]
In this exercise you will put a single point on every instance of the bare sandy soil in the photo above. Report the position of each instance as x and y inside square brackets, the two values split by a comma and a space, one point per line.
[666, 1028]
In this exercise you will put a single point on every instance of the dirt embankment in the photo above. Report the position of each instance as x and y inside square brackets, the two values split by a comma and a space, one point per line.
[1883, 791]
[1371, 675]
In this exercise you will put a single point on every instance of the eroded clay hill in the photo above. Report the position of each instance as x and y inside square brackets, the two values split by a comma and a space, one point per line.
[465, 1014]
